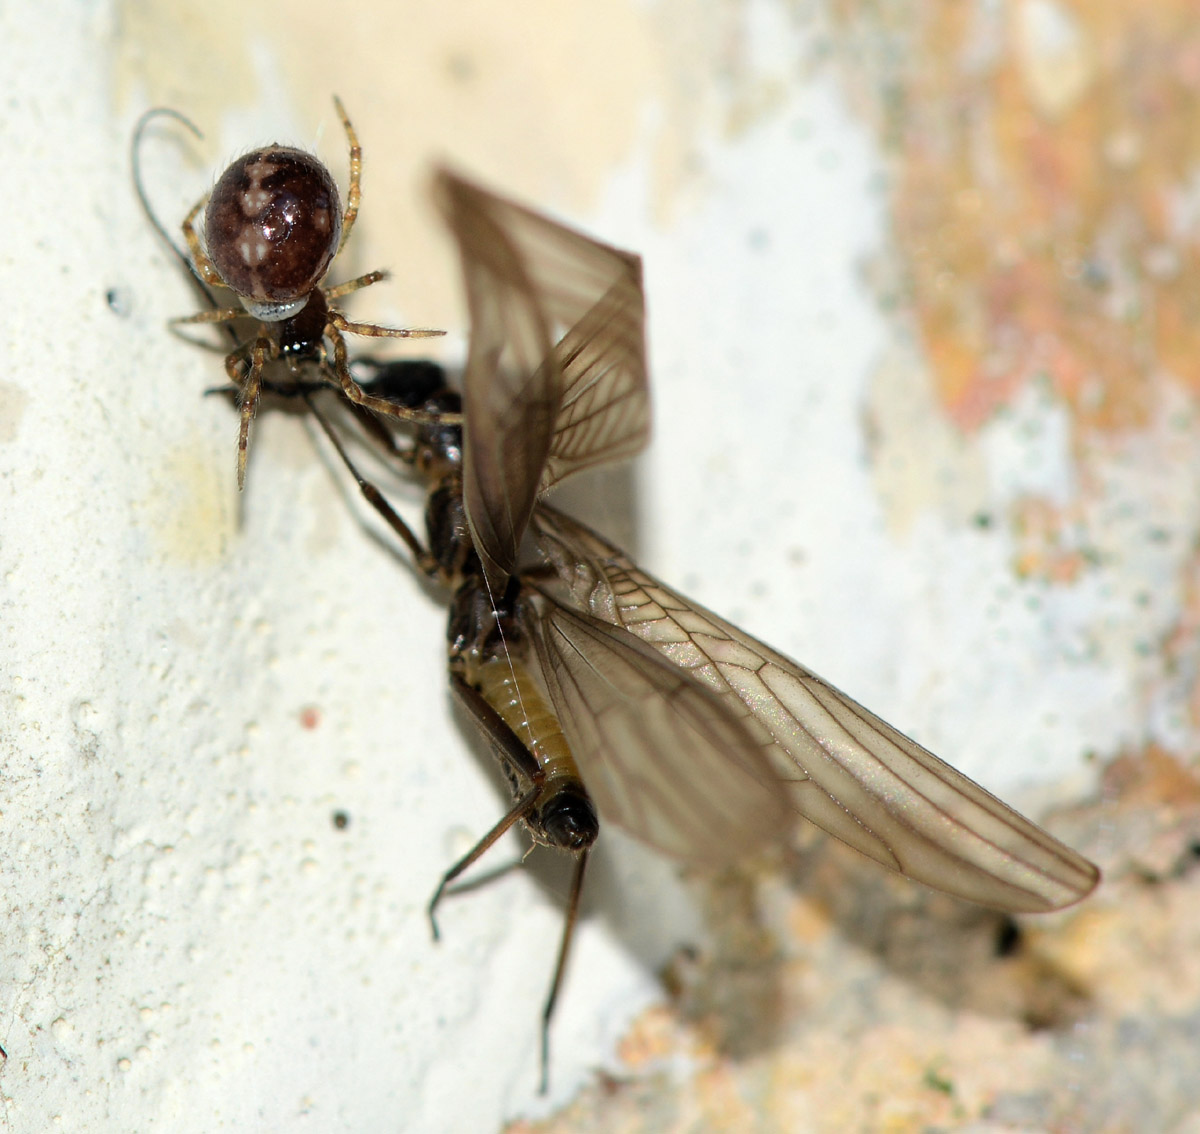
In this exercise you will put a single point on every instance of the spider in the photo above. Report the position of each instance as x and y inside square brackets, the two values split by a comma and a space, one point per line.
[272, 226]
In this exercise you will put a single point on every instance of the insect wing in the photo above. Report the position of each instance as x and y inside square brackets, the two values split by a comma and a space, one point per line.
[605, 411]
[659, 753]
[535, 411]
[838, 764]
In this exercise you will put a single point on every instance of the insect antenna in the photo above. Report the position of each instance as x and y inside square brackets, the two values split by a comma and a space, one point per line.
[139, 187]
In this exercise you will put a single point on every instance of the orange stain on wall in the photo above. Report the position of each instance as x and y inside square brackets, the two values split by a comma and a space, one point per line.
[1040, 203]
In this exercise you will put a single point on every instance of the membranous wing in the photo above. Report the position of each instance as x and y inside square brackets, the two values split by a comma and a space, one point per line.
[835, 762]
[604, 415]
[711, 798]
[556, 368]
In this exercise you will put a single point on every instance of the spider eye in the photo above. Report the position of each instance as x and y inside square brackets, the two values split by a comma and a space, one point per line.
[272, 225]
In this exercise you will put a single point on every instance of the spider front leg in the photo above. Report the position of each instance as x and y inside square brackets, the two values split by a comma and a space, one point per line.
[200, 260]
[249, 390]
[354, 284]
[375, 331]
[354, 194]
[212, 315]
[341, 369]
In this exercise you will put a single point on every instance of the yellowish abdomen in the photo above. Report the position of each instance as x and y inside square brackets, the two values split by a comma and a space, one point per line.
[507, 686]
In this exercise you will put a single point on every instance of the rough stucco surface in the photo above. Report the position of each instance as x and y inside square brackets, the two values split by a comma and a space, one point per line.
[829, 999]
[926, 408]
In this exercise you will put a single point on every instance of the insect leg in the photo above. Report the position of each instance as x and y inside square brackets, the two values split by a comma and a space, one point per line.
[519, 763]
[424, 561]
[515, 813]
[564, 949]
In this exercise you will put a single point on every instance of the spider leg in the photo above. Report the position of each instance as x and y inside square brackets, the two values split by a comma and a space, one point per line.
[200, 260]
[374, 331]
[355, 284]
[250, 386]
[354, 194]
[359, 396]
[213, 315]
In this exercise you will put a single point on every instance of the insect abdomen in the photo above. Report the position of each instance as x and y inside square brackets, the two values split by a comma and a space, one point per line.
[507, 686]
[562, 815]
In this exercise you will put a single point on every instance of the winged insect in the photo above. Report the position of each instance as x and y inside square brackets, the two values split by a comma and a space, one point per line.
[605, 694]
